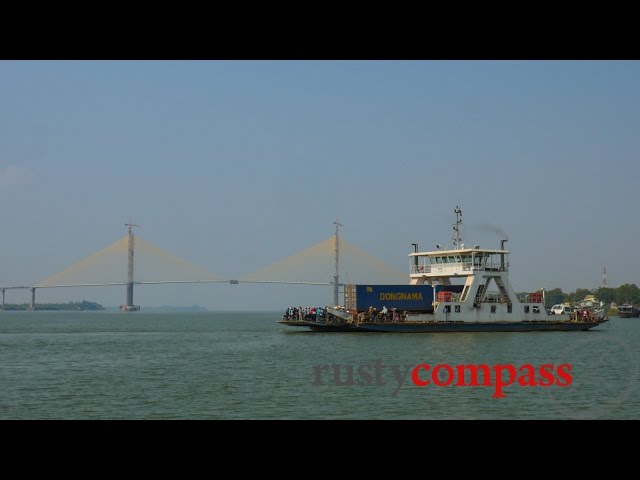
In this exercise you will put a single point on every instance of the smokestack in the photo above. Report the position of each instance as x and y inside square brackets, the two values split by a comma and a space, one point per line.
[502, 242]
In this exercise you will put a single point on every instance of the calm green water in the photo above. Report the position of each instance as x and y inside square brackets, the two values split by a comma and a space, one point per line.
[77, 365]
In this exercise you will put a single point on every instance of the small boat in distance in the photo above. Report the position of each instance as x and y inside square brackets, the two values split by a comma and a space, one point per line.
[452, 290]
[628, 311]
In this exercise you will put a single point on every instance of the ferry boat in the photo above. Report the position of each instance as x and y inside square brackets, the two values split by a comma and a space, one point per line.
[628, 311]
[469, 291]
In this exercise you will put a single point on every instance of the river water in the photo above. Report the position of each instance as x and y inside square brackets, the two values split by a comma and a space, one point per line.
[243, 365]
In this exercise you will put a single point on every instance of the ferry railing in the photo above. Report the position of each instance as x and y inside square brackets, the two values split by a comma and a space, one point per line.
[442, 268]
[495, 297]
[491, 264]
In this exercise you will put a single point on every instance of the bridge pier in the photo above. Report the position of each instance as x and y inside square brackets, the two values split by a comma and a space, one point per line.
[129, 296]
[3, 299]
[32, 305]
[129, 306]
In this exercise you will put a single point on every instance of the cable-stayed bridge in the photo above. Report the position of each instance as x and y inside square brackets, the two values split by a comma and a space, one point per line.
[133, 261]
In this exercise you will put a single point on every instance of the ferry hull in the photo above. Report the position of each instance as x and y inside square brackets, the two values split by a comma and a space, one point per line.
[443, 327]
[435, 327]
[319, 326]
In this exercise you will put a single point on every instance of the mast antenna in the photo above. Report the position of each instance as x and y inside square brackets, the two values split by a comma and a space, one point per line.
[457, 237]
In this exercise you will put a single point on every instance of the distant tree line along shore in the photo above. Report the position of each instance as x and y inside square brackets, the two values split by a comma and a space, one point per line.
[627, 293]
[83, 305]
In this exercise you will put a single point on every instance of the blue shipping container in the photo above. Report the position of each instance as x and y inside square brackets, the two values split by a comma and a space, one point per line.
[402, 297]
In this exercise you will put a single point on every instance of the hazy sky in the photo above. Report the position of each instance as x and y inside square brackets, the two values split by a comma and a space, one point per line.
[235, 165]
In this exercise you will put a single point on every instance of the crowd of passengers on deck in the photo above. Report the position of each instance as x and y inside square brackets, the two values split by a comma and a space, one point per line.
[383, 316]
[316, 314]
[305, 313]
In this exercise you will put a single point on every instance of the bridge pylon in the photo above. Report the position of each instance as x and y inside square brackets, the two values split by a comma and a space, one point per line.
[129, 306]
